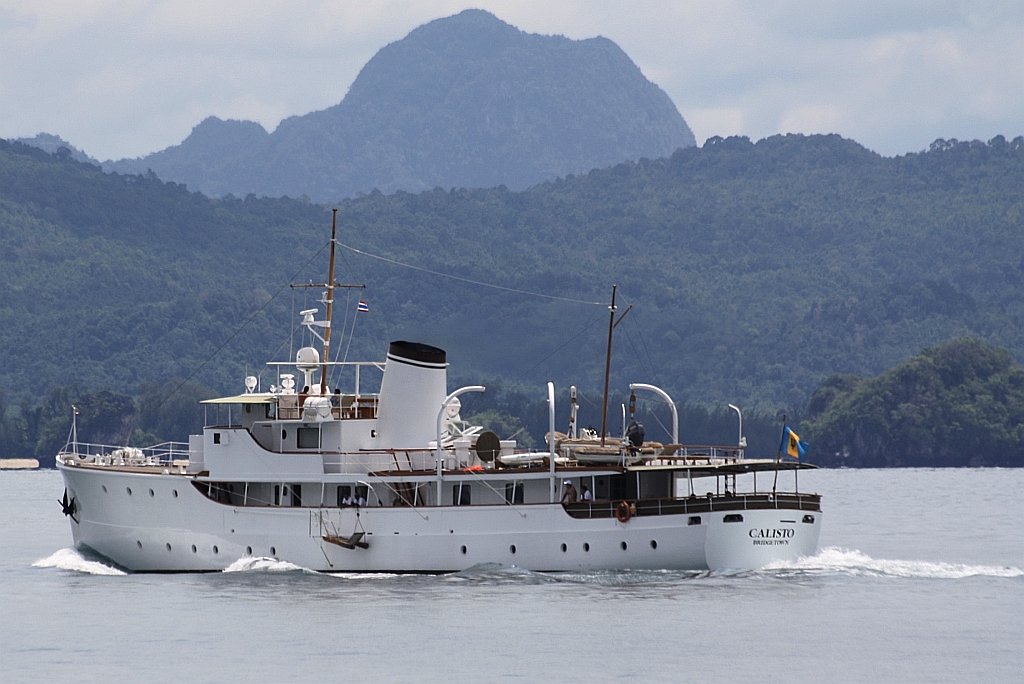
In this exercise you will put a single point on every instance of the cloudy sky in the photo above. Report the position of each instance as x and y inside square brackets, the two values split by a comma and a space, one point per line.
[125, 78]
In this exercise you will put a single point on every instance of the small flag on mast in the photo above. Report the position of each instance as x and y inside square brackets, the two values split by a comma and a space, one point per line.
[363, 307]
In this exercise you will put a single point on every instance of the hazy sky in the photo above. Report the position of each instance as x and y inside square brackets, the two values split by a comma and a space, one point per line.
[124, 78]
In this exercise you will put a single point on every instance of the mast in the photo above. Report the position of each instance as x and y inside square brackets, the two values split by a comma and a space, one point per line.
[608, 364]
[330, 303]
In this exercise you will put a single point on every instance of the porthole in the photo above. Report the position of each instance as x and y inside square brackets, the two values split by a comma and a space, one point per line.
[694, 520]
[654, 544]
[623, 546]
[586, 546]
[138, 543]
[809, 519]
[151, 493]
[194, 549]
[732, 518]
[215, 549]
[175, 493]
[273, 551]
[248, 550]
[129, 490]
[104, 488]
[512, 549]
[463, 549]
[564, 548]
[168, 545]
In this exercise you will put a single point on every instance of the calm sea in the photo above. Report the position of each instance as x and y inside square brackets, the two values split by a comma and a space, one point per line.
[920, 578]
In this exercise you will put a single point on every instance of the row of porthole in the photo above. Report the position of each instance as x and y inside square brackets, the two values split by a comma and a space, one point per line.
[565, 547]
[195, 549]
[128, 490]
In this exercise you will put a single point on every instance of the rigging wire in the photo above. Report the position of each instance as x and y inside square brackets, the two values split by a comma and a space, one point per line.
[469, 280]
[562, 346]
[244, 323]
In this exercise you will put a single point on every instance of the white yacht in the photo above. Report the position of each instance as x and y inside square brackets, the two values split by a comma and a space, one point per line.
[393, 480]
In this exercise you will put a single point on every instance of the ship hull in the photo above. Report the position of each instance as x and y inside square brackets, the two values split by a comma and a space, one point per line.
[160, 522]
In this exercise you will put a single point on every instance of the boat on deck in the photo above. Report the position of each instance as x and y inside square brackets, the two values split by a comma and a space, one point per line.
[391, 479]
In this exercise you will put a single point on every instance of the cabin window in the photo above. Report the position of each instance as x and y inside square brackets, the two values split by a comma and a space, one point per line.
[514, 493]
[406, 494]
[309, 438]
[461, 494]
[277, 495]
[809, 519]
[216, 438]
[296, 490]
[694, 520]
[733, 517]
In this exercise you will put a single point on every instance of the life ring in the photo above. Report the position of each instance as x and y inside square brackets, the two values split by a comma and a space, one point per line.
[623, 512]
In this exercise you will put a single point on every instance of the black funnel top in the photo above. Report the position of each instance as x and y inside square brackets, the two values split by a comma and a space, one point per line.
[417, 351]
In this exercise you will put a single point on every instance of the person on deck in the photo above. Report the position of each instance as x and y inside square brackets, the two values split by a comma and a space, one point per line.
[569, 493]
[586, 495]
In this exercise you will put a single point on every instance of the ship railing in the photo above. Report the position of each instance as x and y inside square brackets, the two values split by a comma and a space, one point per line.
[709, 503]
[162, 454]
[694, 454]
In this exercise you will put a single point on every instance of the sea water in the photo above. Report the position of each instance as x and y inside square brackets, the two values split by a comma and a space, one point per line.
[920, 578]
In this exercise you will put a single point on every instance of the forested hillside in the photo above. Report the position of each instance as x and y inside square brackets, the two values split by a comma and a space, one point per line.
[958, 404]
[463, 101]
[755, 271]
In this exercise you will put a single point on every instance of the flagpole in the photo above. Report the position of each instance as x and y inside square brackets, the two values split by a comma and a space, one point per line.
[778, 454]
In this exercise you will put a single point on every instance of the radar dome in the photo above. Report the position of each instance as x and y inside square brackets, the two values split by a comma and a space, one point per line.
[307, 357]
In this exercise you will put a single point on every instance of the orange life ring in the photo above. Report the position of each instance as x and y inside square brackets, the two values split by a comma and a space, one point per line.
[623, 512]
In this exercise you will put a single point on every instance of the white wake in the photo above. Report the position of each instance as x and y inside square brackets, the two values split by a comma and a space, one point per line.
[834, 559]
[71, 559]
[263, 564]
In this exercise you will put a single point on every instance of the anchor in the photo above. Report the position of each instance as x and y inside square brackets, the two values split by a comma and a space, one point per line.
[69, 508]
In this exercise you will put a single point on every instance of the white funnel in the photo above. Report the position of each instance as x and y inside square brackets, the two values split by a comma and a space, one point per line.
[414, 385]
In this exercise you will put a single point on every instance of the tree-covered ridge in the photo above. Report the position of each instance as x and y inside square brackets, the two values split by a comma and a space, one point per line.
[466, 101]
[958, 404]
[756, 271]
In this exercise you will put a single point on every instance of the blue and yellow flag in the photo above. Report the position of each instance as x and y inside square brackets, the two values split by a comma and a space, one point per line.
[791, 444]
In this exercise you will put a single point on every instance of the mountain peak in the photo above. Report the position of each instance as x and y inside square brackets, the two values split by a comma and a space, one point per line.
[462, 101]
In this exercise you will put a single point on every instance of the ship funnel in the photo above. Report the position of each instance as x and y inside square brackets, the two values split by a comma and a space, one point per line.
[414, 385]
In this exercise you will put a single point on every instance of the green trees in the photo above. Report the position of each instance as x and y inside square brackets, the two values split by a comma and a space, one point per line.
[756, 270]
[958, 404]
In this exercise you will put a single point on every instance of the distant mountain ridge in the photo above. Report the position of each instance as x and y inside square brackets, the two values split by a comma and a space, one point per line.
[464, 101]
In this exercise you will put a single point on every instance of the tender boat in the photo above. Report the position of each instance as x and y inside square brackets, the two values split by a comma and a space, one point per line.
[393, 480]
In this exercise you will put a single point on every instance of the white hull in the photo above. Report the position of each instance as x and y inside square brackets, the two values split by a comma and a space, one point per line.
[165, 524]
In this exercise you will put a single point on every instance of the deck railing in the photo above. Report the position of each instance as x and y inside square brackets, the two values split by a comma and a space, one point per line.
[697, 504]
[163, 454]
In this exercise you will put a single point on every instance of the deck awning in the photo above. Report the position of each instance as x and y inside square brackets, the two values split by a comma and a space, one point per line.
[243, 399]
